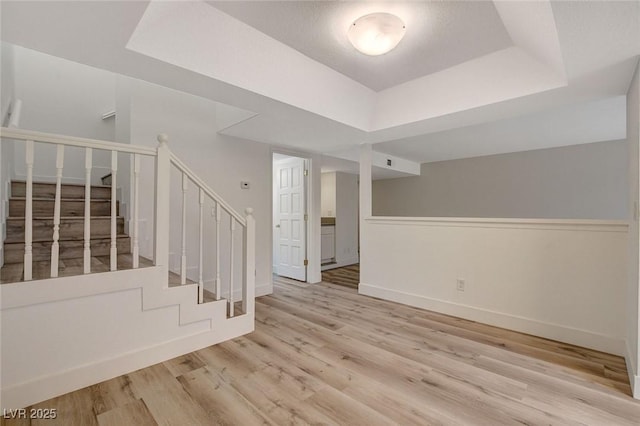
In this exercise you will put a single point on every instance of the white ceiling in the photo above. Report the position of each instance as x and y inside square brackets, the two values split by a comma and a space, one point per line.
[439, 34]
[481, 82]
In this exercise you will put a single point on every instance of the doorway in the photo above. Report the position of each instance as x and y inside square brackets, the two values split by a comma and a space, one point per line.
[290, 217]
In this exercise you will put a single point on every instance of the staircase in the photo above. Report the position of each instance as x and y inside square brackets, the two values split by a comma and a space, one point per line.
[71, 239]
[74, 283]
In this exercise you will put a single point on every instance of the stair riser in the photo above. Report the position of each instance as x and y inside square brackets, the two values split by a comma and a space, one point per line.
[14, 252]
[48, 190]
[67, 208]
[69, 229]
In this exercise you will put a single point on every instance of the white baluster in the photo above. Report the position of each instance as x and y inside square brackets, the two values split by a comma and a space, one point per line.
[200, 281]
[55, 247]
[136, 209]
[114, 211]
[217, 265]
[248, 290]
[183, 262]
[88, 163]
[233, 228]
[28, 214]
[162, 205]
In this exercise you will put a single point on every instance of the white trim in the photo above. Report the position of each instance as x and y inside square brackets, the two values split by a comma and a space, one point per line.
[634, 379]
[552, 331]
[26, 135]
[559, 224]
[43, 388]
[19, 294]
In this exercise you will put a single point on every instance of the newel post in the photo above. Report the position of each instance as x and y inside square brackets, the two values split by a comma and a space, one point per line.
[249, 288]
[162, 198]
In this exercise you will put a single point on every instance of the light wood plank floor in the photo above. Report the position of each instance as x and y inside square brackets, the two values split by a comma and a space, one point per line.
[321, 354]
[348, 276]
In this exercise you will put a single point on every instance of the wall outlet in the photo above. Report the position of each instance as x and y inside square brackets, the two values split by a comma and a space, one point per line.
[459, 284]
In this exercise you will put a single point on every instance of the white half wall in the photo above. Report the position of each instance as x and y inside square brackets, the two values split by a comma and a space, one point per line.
[63, 334]
[563, 280]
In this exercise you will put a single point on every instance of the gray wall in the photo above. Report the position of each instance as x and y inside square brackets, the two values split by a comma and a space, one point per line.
[579, 182]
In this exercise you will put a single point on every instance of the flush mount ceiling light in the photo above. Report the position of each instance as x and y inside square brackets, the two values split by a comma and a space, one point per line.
[376, 34]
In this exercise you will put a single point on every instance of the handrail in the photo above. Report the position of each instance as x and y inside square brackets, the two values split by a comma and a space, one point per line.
[30, 135]
[210, 192]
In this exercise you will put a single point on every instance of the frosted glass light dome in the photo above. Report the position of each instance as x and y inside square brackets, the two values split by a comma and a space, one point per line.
[376, 33]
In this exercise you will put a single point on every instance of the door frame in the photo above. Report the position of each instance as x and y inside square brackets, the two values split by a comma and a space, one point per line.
[311, 205]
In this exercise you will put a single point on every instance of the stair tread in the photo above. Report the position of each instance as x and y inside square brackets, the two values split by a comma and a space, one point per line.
[62, 217]
[10, 240]
[82, 185]
[102, 200]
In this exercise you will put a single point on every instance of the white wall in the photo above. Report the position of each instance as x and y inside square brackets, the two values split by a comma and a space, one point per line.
[221, 161]
[328, 189]
[346, 190]
[7, 64]
[60, 335]
[633, 293]
[63, 97]
[582, 182]
[563, 280]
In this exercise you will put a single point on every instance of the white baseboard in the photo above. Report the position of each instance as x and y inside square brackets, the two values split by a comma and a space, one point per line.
[632, 371]
[341, 263]
[41, 389]
[547, 330]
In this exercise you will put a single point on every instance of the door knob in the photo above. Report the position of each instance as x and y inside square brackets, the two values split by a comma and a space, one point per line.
[278, 226]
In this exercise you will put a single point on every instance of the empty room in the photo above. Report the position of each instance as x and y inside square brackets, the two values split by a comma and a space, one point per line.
[320, 212]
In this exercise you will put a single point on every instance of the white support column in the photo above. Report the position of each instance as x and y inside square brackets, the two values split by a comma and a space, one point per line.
[88, 164]
[183, 258]
[162, 199]
[114, 212]
[55, 246]
[233, 229]
[217, 265]
[249, 247]
[200, 264]
[366, 160]
[136, 209]
[28, 214]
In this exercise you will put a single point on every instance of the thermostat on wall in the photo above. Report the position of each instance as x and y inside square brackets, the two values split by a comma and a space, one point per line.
[244, 185]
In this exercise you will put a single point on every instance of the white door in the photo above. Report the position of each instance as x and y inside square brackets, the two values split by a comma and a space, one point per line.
[290, 231]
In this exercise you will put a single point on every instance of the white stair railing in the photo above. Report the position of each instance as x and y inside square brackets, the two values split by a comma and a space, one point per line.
[247, 224]
[55, 246]
[164, 160]
[88, 162]
[30, 138]
[28, 213]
